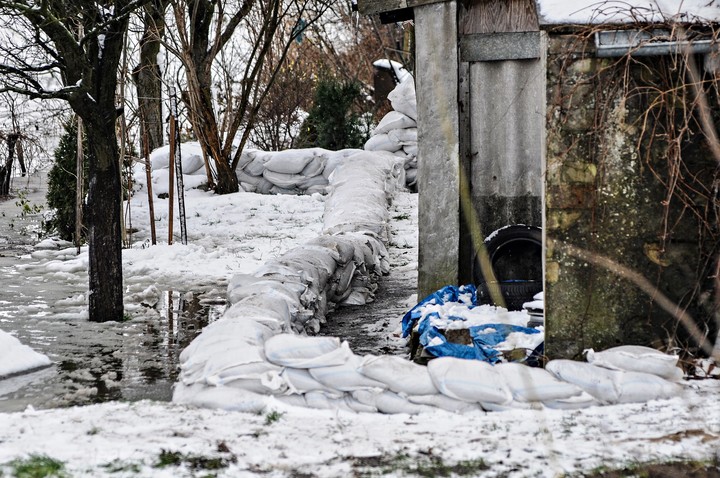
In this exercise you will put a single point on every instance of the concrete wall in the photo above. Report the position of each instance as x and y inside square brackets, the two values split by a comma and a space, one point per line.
[615, 131]
[436, 87]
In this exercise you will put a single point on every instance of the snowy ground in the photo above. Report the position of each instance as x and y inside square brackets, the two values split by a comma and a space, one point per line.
[236, 233]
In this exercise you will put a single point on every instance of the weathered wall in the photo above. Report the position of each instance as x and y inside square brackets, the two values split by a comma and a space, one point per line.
[629, 179]
[438, 203]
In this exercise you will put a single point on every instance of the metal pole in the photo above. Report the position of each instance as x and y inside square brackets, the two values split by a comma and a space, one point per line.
[79, 183]
[178, 169]
[171, 167]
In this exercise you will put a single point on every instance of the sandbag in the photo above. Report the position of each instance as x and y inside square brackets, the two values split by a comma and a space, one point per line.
[290, 350]
[314, 167]
[469, 380]
[394, 120]
[283, 180]
[382, 142]
[388, 402]
[291, 161]
[636, 358]
[529, 384]
[638, 387]
[405, 137]
[398, 374]
[402, 98]
[597, 381]
[446, 403]
[345, 377]
[299, 380]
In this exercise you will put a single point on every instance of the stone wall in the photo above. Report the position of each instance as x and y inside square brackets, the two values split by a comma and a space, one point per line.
[629, 181]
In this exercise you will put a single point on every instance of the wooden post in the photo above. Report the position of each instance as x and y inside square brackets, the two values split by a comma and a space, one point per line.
[79, 183]
[148, 175]
[171, 167]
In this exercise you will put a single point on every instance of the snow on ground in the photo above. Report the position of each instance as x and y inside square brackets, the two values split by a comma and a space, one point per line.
[237, 233]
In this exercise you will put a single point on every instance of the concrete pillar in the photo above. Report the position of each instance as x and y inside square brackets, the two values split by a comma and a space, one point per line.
[439, 166]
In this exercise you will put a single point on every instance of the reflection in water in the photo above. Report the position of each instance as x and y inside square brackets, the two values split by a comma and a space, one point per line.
[101, 362]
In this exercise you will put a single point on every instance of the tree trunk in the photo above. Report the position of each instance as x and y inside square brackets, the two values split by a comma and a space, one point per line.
[227, 181]
[147, 75]
[103, 221]
[6, 169]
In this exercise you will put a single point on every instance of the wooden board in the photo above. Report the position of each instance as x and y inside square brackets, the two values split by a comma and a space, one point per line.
[496, 16]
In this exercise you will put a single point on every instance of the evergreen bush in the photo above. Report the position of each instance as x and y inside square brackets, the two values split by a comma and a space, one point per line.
[62, 184]
[334, 122]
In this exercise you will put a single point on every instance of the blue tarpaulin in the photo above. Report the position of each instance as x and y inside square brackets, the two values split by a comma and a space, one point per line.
[484, 337]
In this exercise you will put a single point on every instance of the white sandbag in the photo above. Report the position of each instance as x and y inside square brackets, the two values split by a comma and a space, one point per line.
[288, 192]
[446, 403]
[530, 384]
[394, 120]
[256, 167]
[224, 330]
[283, 180]
[318, 189]
[290, 350]
[272, 313]
[314, 167]
[636, 358]
[584, 400]
[299, 380]
[290, 161]
[225, 398]
[511, 405]
[323, 401]
[343, 247]
[411, 176]
[398, 374]
[318, 180]
[469, 380]
[259, 384]
[389, 402]
[411, 149]
[406, 137]
[345, 377]
[402, 98]
[638, 387]
[382, 142]
[597, 381]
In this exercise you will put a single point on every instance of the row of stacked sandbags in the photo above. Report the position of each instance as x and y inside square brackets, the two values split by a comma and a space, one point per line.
[397, 131]
[293, 171]
[258, 353]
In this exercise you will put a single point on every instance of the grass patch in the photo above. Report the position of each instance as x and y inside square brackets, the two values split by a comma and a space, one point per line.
[273, 417]
[686, 469]
[37, 466]
[424, 466]
[194, 462]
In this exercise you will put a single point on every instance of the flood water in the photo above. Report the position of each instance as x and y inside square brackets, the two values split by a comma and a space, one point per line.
[92, 362]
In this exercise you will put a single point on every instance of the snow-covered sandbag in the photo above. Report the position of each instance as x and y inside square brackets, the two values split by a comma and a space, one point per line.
[272, 313]
[314, 167]
[283, 180]
[402, 98]
[584, 400]
[313, 181]
[469, 380]
[411, 149]
[290, 350]
[299, 380]
[389, 402]
[511, 405]
[256, 167]
[394, 120]
[638, 387]
[291, 161]
[16, 357]
[400, 375]
[444, 402]
[636, 358]
[382, 142]
[226, 398]
[597, 381]
[529, 384]
[323, 401]
[406, 137]
[345, 377]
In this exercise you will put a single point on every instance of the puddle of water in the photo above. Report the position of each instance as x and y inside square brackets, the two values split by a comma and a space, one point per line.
[95, 363]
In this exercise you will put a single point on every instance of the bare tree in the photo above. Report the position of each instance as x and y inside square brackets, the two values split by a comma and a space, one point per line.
[147, 75]
[206, 29]
[71, 50]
